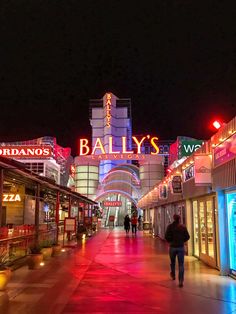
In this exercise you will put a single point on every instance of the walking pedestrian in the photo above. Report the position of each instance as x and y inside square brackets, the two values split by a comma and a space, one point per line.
[139, 222]
[127, 224]
[176, 235]
[134, 221]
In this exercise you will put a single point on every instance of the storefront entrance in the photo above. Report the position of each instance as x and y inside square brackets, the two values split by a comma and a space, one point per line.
[204, 233]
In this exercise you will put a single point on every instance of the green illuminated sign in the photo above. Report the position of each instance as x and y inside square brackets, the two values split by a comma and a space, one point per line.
[189, 147]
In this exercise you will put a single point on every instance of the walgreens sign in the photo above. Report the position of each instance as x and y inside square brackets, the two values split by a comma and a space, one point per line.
[39, 151]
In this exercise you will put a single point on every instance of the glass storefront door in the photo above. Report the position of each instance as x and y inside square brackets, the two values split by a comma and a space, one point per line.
[204, 241]
[195, 229]
[210, 228]
[231, 209]
[202, 222]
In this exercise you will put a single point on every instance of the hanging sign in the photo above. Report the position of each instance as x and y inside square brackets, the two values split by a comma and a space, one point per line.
[225, 151]
[176, 184]
[112, 203]
[162, 191]
[202, 169]
[188, 173]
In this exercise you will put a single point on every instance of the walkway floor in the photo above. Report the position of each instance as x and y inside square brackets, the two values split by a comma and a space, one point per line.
[115, 273]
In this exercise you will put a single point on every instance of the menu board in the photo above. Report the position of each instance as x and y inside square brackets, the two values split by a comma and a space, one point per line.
[69, 224]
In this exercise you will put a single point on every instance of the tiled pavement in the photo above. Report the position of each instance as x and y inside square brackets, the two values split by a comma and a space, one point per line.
[115, 273]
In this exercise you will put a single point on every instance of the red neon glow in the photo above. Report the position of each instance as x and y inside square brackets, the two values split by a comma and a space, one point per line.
[216, 124]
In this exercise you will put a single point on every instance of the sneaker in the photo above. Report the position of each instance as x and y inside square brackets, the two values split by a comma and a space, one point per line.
[172, 275]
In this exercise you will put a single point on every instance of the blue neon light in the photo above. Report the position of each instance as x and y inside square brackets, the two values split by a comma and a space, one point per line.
[231, 206]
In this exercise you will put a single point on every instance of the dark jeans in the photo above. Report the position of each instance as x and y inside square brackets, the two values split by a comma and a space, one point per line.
[134, 228]
[179, 252]
[127, 228]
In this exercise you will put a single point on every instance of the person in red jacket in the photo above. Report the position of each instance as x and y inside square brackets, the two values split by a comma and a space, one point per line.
[134, 221]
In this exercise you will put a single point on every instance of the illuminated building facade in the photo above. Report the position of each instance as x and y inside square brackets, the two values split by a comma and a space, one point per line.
[202, 190]
[113, 167]
[42, 156]
[110, 116]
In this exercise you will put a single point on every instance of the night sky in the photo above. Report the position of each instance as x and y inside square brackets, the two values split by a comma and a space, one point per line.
[176, 60]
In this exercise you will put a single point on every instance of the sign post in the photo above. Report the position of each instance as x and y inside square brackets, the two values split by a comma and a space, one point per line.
[69, 226]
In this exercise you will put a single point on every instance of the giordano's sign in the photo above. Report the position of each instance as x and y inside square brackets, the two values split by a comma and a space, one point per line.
[24, 151]
[98, 152]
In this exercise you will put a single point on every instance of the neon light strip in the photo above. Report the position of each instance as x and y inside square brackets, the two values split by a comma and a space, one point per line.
[123, 171]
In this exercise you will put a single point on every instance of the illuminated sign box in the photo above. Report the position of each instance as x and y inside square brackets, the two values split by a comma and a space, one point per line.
[176, 184]
[39, 151]
[112, 203]
[225, 151]
[189, 147]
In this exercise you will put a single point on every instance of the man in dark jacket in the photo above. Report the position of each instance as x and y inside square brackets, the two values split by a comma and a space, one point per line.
[176, 235]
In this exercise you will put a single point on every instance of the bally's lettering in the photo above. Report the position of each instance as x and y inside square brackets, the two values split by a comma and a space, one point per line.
[108, 110]
[98, 148]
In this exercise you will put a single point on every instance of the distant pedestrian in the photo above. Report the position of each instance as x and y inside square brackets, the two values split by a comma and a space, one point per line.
[176, 235]
[134, 221]
[127, 224]
[139, 222]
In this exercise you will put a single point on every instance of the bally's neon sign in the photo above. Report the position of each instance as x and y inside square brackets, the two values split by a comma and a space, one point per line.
[108, 109]
[84, 149]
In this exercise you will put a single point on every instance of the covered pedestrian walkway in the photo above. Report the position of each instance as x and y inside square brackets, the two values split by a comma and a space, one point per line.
[115, 273]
